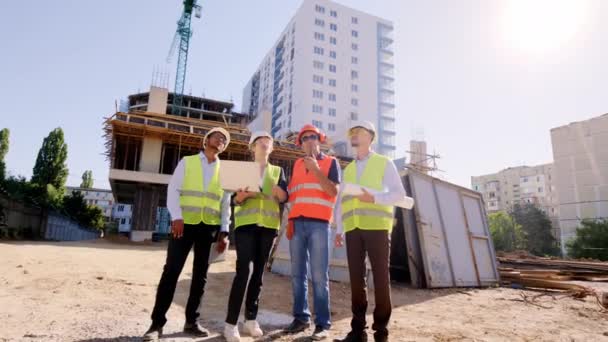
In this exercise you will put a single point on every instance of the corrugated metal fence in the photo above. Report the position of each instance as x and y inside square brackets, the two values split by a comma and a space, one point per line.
[61, 228]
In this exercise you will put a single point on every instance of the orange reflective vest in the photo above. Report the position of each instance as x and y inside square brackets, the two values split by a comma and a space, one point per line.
[306, 195]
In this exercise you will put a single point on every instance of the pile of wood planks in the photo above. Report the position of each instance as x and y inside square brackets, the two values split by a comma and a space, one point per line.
[554, 274]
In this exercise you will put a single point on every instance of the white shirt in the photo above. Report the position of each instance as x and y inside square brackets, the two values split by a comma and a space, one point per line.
[393, 190]
[175, 184]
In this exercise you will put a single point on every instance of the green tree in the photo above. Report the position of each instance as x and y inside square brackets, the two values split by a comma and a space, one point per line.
[76, 207]
[50, 167]
[4, 136]
[591, 240]
[87, 179]
[507, 235]
[537, 228]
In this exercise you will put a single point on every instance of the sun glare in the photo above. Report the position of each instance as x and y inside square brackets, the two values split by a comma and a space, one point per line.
[540, 26]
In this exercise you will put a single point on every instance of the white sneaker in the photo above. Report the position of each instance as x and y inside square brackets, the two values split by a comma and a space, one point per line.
[231, 333]
[252, 328]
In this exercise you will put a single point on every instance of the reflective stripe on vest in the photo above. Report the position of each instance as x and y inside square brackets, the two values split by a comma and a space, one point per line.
[199, 204]
[306, 195]
[366, 216]
[262, 210]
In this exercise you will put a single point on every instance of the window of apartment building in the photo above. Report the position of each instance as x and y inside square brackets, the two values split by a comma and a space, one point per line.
[289, 110]
[354, 46]
[333, 27]
[540, 189]
[354, 60]
[354, 74]
[332, 97]
[317, 79]
[525, 179]
[331, 127]
[354, 102]
[492, 195]
[331, 111]
[354, 88]
[332, 54]
[317, 108]
[333, 40]
[319, 22]
[538, 179]
[354, 20]
[121, 208]
[320, 9]
[318, 50]
[317, 94]
[354, 116]
[332, 68]
[317, 65]
[319, 36]
[317, 124]
[354, 33]
[333, 14]
[332, 82]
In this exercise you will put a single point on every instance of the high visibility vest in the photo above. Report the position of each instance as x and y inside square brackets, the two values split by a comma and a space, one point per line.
[263, 209]
[197, 203]
[306, 195]
[366, 216]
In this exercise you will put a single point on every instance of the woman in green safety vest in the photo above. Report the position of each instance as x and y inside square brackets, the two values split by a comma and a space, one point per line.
[257, 221]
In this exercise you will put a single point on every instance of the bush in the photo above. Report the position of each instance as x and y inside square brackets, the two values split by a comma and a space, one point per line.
[591, 240]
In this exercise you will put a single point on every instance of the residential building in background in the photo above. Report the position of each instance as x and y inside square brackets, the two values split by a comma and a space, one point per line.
[580, 153]
[122, 214]
[101, 198]
[521, 185]
[331, 65]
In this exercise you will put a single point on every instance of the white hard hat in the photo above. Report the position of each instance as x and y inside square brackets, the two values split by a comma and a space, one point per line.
[221, 130]
[364, 124]
[259, 134]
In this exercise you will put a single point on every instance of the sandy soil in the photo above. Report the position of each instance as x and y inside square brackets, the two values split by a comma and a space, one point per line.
[101, 291]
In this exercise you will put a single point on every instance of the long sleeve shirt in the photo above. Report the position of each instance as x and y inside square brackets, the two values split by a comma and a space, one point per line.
[175, 184]
[392, 192]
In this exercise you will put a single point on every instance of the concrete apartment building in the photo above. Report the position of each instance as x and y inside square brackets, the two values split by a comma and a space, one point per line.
[102, 198]
[580, 153]
[520, 185]
[331, 65]
[122, 214]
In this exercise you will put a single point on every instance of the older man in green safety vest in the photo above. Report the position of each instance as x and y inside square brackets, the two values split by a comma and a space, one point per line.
[367, 220]
[200, 213]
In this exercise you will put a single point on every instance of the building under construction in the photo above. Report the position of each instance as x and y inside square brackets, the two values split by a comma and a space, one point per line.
[145, 143]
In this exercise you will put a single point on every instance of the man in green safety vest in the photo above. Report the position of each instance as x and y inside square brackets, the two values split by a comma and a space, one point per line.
[367, 220]
[200, 213]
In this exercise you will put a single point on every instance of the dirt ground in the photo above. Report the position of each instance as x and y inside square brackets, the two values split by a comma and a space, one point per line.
[101, 291]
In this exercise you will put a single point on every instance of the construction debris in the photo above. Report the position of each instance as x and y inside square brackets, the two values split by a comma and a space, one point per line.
[532, 272]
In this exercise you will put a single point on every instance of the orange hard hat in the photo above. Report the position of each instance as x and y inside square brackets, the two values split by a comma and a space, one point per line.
[310, 128]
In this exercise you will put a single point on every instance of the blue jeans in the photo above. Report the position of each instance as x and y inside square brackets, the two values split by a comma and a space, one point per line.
[310, 242]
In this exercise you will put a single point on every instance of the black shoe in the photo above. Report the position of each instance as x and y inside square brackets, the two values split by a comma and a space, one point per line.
[354, 336]
[319, 334]
[153, 334]
[380, 338]
[296, 326]
[196, 330]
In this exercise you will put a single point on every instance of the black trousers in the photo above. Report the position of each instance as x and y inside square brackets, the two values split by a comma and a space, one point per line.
[376, 245]
[253, 244]
[199, 236]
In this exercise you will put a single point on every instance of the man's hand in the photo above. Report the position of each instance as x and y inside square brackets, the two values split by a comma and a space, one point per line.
[366, 197]
[243, 194]
[222, 242]
[177, 228]
[278, 193]
[339, 241]
[311, 164]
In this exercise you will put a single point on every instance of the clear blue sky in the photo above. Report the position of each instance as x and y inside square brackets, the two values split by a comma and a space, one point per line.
[485, 79]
